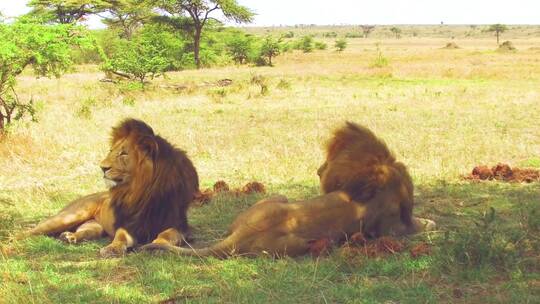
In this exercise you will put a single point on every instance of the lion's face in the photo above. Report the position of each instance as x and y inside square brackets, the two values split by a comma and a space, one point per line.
[119, 164]
[334, 175]
[322, 172]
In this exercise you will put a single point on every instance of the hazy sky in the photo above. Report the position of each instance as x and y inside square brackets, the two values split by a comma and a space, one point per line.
[275, 12]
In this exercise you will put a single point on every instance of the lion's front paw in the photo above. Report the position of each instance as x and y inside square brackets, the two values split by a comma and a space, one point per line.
[113, 250]
[68, 237]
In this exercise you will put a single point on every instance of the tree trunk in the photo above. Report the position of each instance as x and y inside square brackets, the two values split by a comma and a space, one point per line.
[197, 45]
[497, 34]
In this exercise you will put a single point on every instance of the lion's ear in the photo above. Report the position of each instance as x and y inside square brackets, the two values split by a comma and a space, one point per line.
[148, 145]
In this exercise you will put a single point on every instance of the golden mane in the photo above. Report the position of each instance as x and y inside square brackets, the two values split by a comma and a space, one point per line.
[160, 191]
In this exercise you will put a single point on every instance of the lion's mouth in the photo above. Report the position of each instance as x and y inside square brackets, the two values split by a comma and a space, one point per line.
[112, 182]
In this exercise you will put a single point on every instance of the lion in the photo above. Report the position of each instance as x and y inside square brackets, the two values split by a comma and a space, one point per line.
[151, 184]
[365, 191]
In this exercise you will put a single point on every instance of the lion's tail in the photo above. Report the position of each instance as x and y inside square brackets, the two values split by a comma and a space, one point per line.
[222, 249]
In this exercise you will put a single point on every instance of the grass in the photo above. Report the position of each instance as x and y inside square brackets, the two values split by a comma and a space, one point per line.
[441, 111]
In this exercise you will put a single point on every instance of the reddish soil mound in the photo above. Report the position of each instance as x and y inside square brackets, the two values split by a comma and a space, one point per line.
[253, 187]
[220, 186]
[504, 172]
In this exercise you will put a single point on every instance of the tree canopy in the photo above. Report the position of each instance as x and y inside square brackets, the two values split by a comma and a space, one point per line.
[199, 11]
[498, 29]
[65, 11]
[47, 48]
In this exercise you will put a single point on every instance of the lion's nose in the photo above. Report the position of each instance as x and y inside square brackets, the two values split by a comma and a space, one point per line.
[105, 169]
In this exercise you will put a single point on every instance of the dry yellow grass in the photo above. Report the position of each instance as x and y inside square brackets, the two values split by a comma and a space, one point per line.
[441, 111]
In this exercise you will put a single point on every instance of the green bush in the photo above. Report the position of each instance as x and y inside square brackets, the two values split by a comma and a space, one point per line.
[270, 48]
[239, 47]
[490, 243]
[147, 55]
[330, 35]
[340, 45]
[289, 34]
[319, 45]
[47, 48]
[306, 44]
[353, 35]
[380, 61]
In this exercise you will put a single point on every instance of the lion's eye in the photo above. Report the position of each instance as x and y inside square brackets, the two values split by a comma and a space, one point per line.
[122, 153]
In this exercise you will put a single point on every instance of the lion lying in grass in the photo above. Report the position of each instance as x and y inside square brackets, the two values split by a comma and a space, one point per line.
[151, 184]
[366, 191]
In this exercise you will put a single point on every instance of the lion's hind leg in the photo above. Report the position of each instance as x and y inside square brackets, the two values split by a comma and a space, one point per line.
[90, 230]
[73, 215]
[284, 245]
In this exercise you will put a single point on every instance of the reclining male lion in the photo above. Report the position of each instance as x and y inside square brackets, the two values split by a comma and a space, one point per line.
[366, 191]
[151, 186]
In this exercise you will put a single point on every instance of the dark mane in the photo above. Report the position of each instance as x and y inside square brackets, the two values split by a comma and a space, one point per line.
[159, 199]
[360, 163]
[129, 125]
[356, 138]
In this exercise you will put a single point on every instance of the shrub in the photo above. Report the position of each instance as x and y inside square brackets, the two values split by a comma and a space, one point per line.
[260, 81]
[340, 45]
[47, 48]
[353, 35]
[319, 45]
[330, 35]
[289, 34]
[380, 61]
[148, 55]
[270, 48]
[284, 84]
[490, 243]
[239, 47]
[306, 44]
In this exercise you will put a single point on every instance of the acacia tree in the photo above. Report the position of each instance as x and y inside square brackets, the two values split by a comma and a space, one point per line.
[396, 31]
[47, 48]
[270, 48]
[65, 11]
[127, 15]
[143, 57]
[367, 29]
[239, 47]
[199, 11]
[498, 29]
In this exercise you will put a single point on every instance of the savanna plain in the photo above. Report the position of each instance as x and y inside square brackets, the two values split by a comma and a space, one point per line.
[441, 111]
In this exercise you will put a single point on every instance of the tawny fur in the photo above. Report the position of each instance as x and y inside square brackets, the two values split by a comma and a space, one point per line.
[366, 191]
[153, 184]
